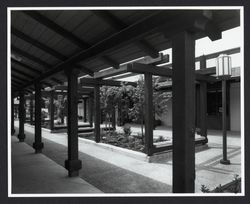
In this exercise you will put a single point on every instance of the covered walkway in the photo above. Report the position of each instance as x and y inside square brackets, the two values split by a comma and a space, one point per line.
[112, 172]
[119, 42]
[36, 173]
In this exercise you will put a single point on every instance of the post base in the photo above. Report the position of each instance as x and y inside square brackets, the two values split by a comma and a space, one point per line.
[73, 167]
[38, 147]
[226, 162]
[21, 137]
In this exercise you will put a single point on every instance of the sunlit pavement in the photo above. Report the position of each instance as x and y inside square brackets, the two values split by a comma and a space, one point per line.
[208, 169]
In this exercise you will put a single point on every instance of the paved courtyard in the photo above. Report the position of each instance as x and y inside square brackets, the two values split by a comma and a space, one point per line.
[109, 171]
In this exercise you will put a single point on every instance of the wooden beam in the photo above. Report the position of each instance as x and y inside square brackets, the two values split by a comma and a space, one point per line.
[31, 57]
[64, 33]
[26, 66]
[111, 62]
[37, 44]
[153, 22]
[129, 34]
[118, 25]
[216, 54]
[17, 82]
[56, 28]
[154, 70]
[206, 24]
[123, 68]
[18, 78]
[46, 84]
[183, 113]
[207, 71]
[21, 73]
[93, 82]
[56, 80]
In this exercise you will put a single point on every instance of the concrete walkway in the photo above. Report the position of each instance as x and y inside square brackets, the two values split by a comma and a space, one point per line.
[112, 172]
[36, 173]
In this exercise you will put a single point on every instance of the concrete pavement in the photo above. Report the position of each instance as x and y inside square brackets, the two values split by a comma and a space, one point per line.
[208, 169]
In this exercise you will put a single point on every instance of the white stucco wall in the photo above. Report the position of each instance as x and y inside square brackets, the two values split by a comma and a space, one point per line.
[235, 106]
[166, 118]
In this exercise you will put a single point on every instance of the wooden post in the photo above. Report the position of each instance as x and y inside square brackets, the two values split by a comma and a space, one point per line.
[97, 113]
[21, 135]
[52, 110]
[72, 164]
[31, 110]
[85, 110]
[149, 115]
[203, 101]
[197, 106]
[38, 145]
[90, 107]
[12, 116]
[183, 112]
[224, 160]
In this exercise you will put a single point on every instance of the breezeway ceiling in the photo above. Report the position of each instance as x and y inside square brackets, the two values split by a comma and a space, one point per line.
[44, 42]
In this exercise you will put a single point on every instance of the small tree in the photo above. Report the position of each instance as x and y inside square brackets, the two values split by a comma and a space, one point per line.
[160, 100]
[109, 99]
[61, 104]
[137, 111]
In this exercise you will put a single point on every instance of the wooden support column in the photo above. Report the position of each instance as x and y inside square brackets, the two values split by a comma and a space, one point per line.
[90, 109]
[31, 110]
[72, 164]
[203, 101]
[197, 106]
[149, 115]
[52, 110]
[183, 45]
[97, 113]
[12, 116]
[21, 135]
[38, 145]
[85, 110]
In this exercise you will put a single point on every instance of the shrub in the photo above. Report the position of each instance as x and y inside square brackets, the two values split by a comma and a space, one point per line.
[127, 130]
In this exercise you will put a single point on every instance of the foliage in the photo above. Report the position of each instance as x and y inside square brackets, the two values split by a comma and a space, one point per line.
[127, 130]
[204, 189]
[232, 187]
[61, 105]
[131, 101]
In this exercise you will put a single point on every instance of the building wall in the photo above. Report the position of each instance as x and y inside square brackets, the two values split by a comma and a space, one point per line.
[166, 118]
[235, 121]
[235, 106]
[80, 109]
